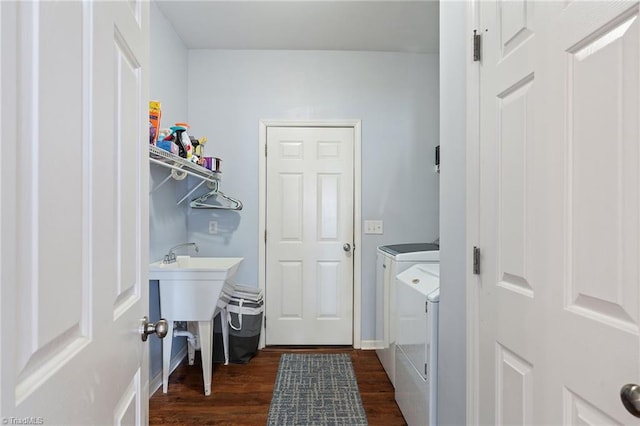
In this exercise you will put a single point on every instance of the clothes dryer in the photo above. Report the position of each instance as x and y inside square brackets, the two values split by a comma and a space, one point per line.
[418, 296]
[392, 260]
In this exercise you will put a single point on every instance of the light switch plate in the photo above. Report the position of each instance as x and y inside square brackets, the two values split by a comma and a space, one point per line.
[213, 227]
[373, 227]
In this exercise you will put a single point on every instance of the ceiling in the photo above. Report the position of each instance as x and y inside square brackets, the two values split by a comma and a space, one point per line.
[388, 26]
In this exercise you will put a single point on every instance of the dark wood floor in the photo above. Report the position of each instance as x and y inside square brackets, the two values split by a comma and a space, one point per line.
[241, 393]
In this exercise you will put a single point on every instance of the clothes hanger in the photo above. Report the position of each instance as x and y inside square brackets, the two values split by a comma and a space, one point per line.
[221, 201]
[216, 199]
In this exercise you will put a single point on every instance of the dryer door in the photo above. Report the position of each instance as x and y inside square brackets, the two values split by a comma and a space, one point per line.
[413, 288]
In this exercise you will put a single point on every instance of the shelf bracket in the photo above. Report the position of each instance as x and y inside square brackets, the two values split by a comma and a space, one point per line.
[180, 168]
[160, 184]
[191, 192]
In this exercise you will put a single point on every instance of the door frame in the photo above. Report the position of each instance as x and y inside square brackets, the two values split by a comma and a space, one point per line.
[473, 282]
[357, 204]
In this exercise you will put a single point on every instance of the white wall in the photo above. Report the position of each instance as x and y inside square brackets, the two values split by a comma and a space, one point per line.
[167, 221]
[394, 94]
[453, 267]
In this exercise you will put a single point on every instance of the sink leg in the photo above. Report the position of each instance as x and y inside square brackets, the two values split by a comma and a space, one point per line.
[166, 356]
[205, 329]
[191, 348]
[225, 334]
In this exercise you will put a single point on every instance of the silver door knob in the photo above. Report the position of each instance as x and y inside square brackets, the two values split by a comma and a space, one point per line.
[346, 247]
[146, 328]
[630, 396]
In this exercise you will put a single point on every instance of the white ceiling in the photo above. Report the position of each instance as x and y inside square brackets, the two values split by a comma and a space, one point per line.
[392, 26]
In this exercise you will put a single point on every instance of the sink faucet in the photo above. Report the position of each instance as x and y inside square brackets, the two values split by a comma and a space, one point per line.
[171, 256]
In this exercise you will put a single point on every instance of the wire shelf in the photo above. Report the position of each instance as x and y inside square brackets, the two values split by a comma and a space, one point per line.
[182, 165]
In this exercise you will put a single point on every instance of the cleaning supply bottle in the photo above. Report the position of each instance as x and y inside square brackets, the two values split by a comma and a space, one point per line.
[181, 139]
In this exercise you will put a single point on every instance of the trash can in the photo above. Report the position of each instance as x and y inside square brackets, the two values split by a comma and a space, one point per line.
[244, 314]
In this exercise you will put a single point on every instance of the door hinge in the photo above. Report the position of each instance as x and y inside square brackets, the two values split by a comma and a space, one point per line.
[477, 46]
[476, 260]
[426, 306]
[265, 150]
[425, 370]
[265, 235]
[265, 323]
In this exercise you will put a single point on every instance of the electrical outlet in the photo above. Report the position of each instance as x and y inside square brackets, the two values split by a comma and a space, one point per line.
[213, 227]
[373, 227]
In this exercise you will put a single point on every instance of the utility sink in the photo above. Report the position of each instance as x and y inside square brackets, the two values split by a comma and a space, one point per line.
[190, 290]
[190, 287]
[198, 268]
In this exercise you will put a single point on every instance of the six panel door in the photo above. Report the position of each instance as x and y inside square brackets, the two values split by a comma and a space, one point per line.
[559, 305]
[74, 212]
[309, 270]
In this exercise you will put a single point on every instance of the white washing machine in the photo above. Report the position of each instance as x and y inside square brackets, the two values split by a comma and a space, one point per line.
[392, 260]
[418, 296]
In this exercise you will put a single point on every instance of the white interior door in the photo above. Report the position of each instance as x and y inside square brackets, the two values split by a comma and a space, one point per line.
[309, 270]
[559, 304]
[74, 212]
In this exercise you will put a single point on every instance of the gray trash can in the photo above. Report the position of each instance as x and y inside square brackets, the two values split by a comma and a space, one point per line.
[244, 314]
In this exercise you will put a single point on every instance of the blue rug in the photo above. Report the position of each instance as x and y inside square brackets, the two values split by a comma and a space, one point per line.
[316, 389]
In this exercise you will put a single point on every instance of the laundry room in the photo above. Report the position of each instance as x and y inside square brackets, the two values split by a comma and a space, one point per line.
[319, 212]
[287, 144]
[225, 93]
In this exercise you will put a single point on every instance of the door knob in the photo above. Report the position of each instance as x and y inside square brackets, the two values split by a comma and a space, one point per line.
[630, 396]
[146, 328]
[346, 247]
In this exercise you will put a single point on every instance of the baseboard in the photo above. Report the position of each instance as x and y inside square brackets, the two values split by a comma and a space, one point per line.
[156, 382]
[370, 344]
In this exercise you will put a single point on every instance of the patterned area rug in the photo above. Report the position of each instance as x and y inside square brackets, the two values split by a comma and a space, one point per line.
[316, 389]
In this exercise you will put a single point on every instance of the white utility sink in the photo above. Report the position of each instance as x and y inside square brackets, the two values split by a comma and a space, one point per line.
[199, 268]
[190, 287]
[189, 291]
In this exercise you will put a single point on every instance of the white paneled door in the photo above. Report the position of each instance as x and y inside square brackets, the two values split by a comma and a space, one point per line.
[559, 306]
[309, 246]
[74, 207]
